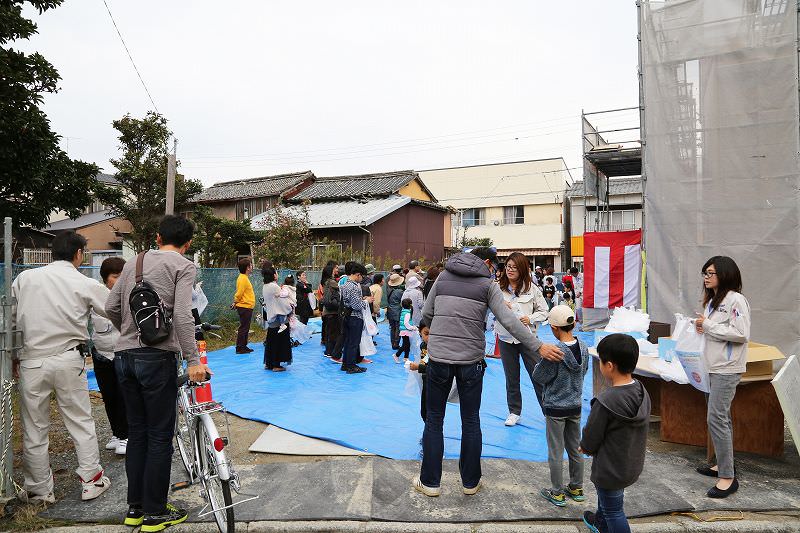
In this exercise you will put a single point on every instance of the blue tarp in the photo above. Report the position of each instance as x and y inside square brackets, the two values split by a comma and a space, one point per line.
[372, 411]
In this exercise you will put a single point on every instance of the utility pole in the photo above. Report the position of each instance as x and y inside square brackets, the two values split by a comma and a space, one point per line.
[171, 164]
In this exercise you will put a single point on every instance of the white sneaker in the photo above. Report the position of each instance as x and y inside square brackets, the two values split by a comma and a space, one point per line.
[512, 420]
[396, 359]
[473, 490]
[427, 491]
[112, 444]
[26, 497]
[93, 489]
[122, 447]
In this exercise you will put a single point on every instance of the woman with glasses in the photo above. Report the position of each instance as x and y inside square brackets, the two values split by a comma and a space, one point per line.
[525, 299]
[725, 322]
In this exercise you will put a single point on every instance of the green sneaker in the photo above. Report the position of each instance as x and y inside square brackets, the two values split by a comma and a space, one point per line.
[556, 498]
[172, 516]
[135, 517]
[576, 493]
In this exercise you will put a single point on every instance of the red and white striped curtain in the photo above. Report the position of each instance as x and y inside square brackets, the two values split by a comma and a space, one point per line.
[612, 269]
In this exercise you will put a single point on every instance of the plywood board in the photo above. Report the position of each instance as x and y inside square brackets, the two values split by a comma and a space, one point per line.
[787, 387]
[280, 441]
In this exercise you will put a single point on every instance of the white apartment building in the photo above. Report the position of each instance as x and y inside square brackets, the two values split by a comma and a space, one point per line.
[518, 205]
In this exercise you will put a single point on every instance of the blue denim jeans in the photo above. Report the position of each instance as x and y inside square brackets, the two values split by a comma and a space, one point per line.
[439, 380]
[610, 516]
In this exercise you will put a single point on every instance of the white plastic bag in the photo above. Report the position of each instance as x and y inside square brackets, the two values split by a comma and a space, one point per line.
[298, 331]
[627, 320]
[199, 299]
[366, 346]
[689, 346]
[369, 325]
[312, 300]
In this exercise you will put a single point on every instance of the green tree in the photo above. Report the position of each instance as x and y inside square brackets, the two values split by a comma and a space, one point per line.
[477, 241]
[219, 240]
[36, 176]
[287, 237]
[141, 196]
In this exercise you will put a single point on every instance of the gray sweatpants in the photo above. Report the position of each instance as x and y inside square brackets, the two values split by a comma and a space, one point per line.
[564, 433]
[720, 427]
[510, 354]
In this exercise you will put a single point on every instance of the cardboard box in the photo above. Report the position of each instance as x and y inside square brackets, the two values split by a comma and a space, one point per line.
[759, 360]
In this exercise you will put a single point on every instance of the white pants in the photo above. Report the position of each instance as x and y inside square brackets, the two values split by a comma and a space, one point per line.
[63, 374]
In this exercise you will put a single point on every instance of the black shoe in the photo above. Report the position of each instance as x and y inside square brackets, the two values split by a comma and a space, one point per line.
[135, 516]
[172, 516]
[706, 471]
[589, 520]
[714, 492]
[356, 369]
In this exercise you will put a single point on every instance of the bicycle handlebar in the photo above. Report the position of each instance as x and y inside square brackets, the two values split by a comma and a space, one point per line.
[205, 326]
[184, 378]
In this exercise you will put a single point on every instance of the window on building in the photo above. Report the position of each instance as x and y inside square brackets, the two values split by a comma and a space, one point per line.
[253, 206]
[618, 220]
[95, 207]
[473, 217]
[514, 214]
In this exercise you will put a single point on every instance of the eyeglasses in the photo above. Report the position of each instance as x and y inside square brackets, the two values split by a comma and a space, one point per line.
[708, 275]
[511, 268]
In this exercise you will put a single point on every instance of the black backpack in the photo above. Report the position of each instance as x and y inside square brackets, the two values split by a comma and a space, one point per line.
[151, 317]
[330, 299]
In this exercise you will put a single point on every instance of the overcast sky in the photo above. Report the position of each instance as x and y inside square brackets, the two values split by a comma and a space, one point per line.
[254, 88]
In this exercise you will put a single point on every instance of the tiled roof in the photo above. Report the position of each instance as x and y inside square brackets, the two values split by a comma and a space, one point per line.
[80, 222]
[108, 179]
[364, 185]
[252, 188]
[350, 213]
[616, 187]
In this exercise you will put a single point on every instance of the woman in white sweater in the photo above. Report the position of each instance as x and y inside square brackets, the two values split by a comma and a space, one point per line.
[525, 299]
[725, 322]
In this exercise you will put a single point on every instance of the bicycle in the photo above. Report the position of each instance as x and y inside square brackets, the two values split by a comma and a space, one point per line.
[202, 448]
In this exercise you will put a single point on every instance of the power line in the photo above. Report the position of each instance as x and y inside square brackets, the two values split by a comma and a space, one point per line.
[457, 134]
[131, 58]
[258, 163]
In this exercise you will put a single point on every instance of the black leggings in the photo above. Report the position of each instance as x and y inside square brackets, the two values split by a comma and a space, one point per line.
[405, 347]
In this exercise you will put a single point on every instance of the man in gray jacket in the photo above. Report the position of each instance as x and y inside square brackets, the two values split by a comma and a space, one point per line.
[456, 310]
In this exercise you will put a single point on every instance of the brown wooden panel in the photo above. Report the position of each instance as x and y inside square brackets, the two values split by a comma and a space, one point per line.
[653, 387]
[757, 419]
[756, 413]
[683, 414]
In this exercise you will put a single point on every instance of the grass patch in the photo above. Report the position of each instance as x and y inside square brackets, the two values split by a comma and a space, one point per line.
[18, 516]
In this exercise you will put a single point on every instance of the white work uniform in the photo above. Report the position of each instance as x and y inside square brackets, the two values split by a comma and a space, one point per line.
[52, 310]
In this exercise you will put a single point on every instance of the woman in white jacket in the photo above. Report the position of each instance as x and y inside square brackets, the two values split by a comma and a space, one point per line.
[725, 322]
[525, 299]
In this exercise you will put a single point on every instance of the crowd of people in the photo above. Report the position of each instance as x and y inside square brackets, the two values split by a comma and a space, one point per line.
[439, 318]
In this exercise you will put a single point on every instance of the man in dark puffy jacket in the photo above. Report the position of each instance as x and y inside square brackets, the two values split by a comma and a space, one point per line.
[456, 309]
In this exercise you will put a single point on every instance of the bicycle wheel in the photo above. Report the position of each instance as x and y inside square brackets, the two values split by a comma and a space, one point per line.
[183, 438]
[218, 491]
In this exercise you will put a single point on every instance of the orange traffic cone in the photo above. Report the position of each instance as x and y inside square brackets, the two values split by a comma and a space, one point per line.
[496, 353]
[202, 394]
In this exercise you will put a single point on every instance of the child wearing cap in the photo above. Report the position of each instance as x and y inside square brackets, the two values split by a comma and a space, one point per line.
[561, 385]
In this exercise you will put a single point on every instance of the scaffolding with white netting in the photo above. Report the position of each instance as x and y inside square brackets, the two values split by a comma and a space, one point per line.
[719, 84]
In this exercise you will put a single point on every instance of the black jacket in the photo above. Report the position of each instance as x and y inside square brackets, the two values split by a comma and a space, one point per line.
[616, 435]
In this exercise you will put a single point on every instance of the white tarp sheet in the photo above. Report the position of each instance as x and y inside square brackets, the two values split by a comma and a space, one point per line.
[721, 156]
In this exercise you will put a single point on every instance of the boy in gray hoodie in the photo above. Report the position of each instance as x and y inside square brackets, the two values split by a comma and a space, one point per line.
[561, 385]
[616, 433]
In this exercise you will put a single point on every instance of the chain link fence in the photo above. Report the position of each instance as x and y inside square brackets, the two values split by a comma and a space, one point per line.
[219, 285]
